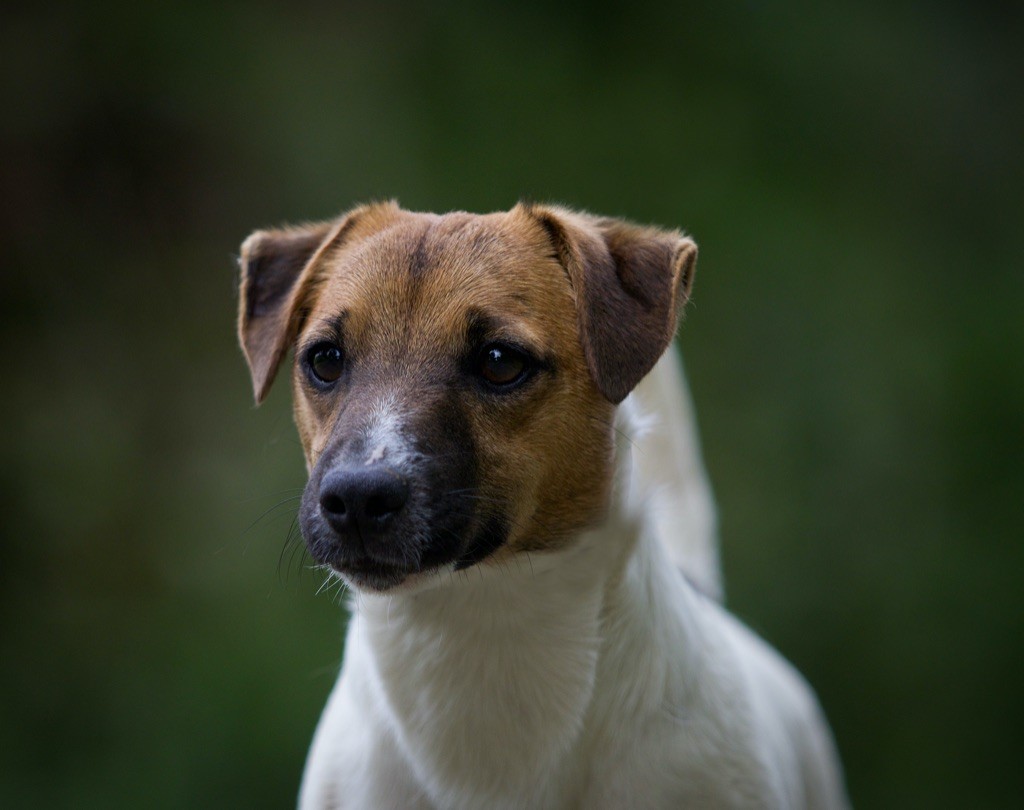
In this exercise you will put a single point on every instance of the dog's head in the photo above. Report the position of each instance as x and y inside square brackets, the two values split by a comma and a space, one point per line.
[456, 376]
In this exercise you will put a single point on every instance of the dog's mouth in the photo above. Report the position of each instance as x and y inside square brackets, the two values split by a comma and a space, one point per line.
[383, 571]
[384, 562]
[370, 574]
[379, 563]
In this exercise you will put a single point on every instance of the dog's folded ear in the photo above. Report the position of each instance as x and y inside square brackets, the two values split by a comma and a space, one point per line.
[271, 265]
[278, 282]
[631, 283]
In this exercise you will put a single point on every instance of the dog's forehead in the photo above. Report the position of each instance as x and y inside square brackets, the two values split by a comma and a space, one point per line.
[430, 274]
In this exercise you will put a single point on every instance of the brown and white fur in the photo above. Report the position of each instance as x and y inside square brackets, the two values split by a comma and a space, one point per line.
[512, 523]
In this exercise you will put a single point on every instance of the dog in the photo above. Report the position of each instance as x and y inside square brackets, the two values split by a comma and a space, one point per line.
[504, 471]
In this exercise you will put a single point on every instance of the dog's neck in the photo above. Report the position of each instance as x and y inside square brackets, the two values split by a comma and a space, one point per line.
[491, 679]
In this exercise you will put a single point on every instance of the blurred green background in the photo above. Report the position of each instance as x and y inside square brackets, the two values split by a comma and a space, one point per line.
[854, 174]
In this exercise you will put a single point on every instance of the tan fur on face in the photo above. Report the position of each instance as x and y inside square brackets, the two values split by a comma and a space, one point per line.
[407, 294]
[596, 299]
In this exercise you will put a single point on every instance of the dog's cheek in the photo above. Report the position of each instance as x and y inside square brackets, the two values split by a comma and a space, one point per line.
[308, 422]
[571, 486]
[449, 504]
[306, 425]
[512, 464]
[316, 418]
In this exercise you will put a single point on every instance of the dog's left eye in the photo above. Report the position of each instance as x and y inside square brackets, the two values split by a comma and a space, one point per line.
[502, 366]
[326, 362]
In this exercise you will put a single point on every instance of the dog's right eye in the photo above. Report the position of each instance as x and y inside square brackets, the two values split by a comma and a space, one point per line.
[503, 367]
[326, 362]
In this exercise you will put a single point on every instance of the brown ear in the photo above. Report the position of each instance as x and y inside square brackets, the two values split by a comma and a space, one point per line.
[631, 283]
[271, 264]
[276, 283]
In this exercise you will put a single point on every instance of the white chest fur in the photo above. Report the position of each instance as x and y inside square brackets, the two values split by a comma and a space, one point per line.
[594, 677]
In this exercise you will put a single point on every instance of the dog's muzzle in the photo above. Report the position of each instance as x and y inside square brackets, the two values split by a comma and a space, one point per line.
[376, 526]
[383, 505]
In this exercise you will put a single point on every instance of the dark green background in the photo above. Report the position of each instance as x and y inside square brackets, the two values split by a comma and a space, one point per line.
[854, 174]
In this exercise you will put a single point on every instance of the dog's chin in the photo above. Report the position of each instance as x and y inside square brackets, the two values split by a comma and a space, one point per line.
[407, 583]
[382, 570]
[391, 566]
[369, 575]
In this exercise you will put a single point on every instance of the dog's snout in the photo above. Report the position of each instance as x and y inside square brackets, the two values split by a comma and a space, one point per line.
[363, 498]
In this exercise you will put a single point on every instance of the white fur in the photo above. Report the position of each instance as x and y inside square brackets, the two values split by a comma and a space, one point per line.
[594, 677]
[667, 480]
[385, 436]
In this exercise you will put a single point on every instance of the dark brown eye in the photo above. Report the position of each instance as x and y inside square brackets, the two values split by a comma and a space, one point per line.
[326, 362]
[502, 366]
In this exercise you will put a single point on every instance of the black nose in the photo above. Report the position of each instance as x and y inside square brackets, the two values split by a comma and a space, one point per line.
[363, 498]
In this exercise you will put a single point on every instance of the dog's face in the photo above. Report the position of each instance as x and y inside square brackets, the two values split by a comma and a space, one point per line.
[455, 376]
